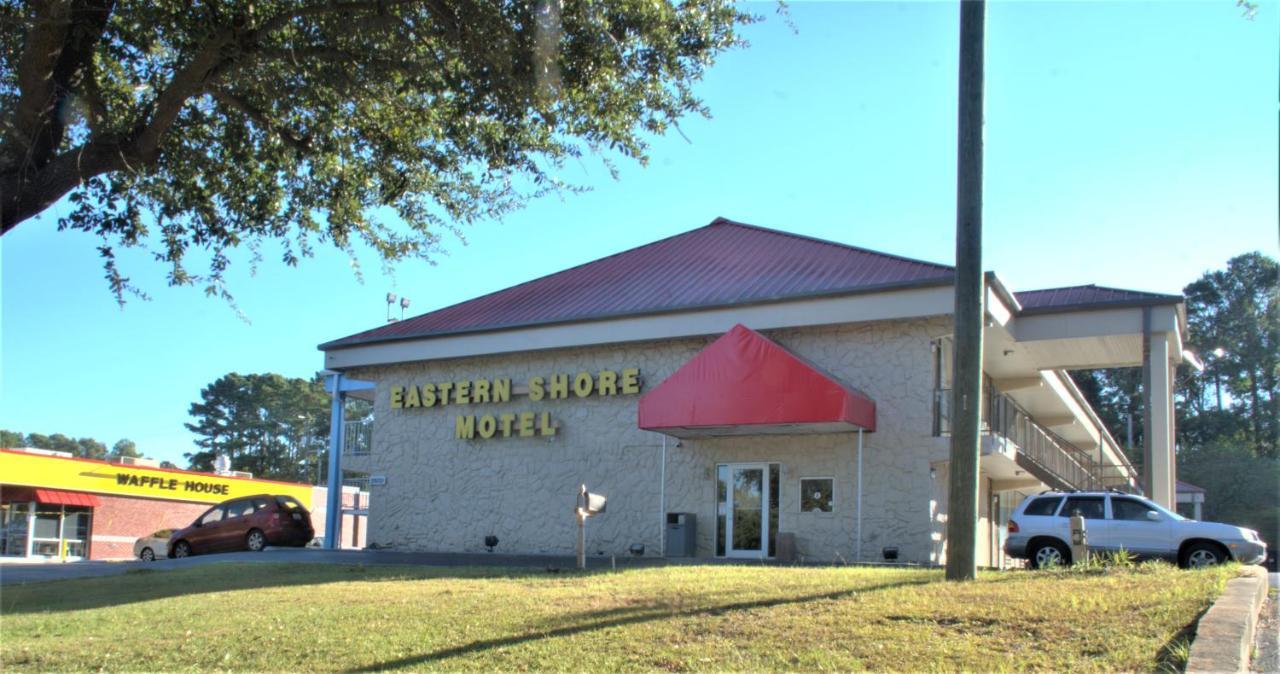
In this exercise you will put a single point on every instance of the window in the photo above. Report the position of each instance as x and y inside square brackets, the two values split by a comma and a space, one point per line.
[775, 480]
[943, 361]
[259, 504]
[239, 508]
[1044, 506]
[817, 494]
[289, 503]
[212, 517]
[1089, 507]
[1129, 509]
[722, 506]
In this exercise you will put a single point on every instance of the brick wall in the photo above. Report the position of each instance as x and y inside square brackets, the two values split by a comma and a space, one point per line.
[119, 518]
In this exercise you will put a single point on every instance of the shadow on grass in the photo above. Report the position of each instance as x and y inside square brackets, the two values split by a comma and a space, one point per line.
[1173, 655]
[618, 617]
[76, 594]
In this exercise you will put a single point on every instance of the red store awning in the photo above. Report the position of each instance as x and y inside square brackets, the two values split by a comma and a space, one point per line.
[743, 383]
[68, 498]
[50, 496]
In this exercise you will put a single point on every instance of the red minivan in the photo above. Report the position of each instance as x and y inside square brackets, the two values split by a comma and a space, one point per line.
[247, 523]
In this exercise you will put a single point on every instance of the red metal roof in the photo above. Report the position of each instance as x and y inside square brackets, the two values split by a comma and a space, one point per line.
[1091, 296]
[743, 382]
[724, 263]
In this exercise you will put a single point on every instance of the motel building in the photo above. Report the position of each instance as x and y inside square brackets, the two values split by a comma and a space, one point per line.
[58, 508]
[736, 391]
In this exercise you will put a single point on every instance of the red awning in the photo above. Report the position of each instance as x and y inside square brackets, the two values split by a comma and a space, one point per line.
[68, 498]
[743, 383]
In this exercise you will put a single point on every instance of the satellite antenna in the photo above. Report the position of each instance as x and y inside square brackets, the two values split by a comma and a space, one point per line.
[221, 464]
[404, 304]
[391, 299]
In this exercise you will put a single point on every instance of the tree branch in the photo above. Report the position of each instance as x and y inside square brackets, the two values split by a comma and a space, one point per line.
[44, 42]
[259, 118]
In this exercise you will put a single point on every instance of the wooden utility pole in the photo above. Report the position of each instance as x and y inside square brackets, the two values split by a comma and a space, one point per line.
[962, 508]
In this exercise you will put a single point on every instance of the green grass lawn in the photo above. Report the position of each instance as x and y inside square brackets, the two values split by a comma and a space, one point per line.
[304, 617]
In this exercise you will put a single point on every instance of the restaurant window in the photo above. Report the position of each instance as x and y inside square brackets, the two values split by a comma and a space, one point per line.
[14, 522]
[817, 494]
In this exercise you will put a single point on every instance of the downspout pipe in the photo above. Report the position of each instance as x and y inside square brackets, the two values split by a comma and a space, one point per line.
[333, 497]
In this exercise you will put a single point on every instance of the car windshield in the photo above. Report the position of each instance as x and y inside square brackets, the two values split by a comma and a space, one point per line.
[163, 533]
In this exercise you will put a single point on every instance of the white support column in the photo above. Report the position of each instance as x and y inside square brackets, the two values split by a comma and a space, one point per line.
[1161, 423]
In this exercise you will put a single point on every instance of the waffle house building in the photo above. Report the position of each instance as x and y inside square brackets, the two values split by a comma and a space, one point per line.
[58, 508]
[760, 394]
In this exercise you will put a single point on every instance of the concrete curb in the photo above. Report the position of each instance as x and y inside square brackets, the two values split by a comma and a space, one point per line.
[1224, 635]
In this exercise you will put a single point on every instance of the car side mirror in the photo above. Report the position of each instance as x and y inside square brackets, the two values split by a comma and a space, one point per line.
[1153, 516]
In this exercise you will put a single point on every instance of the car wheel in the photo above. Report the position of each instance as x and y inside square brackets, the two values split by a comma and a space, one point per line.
[1049, 554]
[181, 549]
[147, 555]
[255, 541]
[1201, 555]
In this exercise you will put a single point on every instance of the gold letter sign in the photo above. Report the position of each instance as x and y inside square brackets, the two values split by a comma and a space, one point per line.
[526, 424]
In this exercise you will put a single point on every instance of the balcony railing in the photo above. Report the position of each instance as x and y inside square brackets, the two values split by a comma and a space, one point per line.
[1057, 462]
[358, 437]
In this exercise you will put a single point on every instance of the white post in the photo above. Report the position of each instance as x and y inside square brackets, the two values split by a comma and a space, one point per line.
[1161, 425]
[662, 502]
[582, 540]
[333, 502]
[857, 553]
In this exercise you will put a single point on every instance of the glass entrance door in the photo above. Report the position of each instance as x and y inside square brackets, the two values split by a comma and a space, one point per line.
[747, 521]
[46, 537]
[60, 532]
[75, 533]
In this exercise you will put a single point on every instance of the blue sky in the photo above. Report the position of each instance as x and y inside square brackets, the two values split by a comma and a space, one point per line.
[1127, 144]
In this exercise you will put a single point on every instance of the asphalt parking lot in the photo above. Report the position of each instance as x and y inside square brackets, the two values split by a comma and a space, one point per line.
[14, 574]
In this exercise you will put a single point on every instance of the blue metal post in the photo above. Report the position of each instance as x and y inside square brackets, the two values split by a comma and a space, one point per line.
[333, 502]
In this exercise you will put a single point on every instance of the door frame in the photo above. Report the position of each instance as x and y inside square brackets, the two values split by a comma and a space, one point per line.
[763, 550]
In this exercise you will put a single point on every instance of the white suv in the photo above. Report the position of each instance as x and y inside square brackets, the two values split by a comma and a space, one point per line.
[1039, 531]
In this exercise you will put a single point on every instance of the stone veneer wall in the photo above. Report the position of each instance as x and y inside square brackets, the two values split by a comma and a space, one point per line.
[443, 493]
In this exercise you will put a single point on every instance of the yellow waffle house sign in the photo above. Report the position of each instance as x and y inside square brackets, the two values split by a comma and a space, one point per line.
[100, 477]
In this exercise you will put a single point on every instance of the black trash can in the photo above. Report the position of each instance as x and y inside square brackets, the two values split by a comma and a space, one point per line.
[681, 534]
